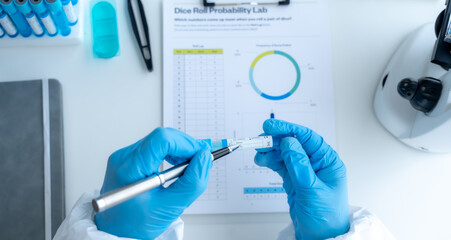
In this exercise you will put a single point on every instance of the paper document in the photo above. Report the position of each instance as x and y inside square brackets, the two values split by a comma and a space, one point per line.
[227, 69]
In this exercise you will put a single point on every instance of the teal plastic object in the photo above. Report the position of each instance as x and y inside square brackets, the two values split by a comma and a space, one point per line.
[104, 30]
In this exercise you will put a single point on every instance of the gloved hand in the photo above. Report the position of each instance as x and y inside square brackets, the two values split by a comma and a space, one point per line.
[313, 176]
[150, 214]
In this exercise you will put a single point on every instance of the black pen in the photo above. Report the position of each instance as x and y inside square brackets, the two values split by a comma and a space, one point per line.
[141, 30]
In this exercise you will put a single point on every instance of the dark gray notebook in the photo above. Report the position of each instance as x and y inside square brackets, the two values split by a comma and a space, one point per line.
[31, 159]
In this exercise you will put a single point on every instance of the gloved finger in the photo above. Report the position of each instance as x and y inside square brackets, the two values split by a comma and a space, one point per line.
[174, 160]
[192, 183]
[313, 144]
[334, 172]
[272, 160]
[170, 144]
[298, 163]
[310, 140]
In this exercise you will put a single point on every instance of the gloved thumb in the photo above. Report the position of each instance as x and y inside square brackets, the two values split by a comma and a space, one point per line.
[298, 163]
[193, 182]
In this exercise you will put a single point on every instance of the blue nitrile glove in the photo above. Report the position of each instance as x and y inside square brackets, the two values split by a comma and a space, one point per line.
[150, 214]
[314, 178]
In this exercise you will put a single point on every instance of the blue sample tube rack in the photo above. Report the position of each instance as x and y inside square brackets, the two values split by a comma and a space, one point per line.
[40, 22]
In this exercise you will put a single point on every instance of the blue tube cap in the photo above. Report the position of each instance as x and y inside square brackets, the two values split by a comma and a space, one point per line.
[38, 6]
[23, 6]
[54, 5]
[8, 6]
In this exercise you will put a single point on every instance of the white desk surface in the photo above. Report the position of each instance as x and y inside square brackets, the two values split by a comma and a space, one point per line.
[109, 104]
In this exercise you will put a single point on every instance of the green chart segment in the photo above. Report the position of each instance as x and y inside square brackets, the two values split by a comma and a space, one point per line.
[283, 96]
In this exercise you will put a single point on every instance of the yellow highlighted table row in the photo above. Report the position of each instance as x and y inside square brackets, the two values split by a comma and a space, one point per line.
[197, 51]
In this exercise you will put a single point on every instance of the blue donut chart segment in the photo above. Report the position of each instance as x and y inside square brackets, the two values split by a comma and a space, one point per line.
[267, 96]
[276, 98]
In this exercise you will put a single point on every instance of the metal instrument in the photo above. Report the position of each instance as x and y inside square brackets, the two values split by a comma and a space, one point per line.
[125, 193]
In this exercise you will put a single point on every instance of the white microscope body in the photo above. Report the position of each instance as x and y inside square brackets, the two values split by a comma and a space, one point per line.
[429, 131]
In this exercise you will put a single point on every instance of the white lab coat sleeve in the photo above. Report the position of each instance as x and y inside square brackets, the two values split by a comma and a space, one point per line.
[79, 224]
[364, 225]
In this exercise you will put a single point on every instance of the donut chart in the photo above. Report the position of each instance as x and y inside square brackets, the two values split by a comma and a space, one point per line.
[272, 97]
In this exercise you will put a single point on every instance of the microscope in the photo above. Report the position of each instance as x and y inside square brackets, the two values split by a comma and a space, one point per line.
[412, 99]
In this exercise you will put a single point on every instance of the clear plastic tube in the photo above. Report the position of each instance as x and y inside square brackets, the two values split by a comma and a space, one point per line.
[7, 24]
[245, 143]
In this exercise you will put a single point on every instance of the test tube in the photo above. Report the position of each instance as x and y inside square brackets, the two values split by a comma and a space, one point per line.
[2, 33]
[40, 9]
[24, 7]
[7, 24]
[70, 12]
[245, 143]
[17, 17]
[56, 9]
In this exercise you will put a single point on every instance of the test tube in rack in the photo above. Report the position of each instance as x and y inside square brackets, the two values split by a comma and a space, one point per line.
[7, 24]
[40, 9]
[70, 12]
[24, 7]
[56, 9]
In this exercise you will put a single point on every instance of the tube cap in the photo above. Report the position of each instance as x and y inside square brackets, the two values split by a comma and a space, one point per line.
[23, 6]
[54, 5]
[38, 6]
[8, 6]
